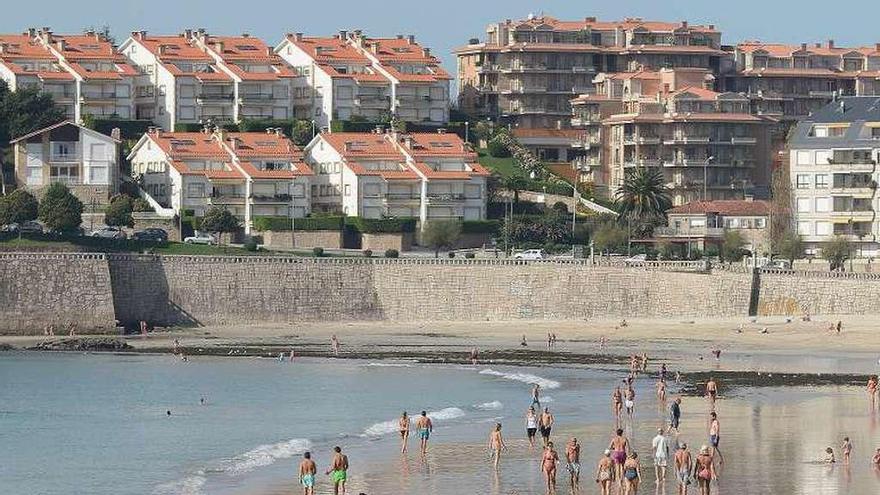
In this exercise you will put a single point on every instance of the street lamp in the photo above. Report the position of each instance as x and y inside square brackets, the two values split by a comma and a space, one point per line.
[706, 174]
[467, 127]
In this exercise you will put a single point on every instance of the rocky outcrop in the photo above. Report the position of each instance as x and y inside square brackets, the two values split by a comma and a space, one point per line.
[82, 344]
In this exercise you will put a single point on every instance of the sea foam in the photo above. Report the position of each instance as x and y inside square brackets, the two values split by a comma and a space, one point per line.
[490, 406]
[386, 427]
[523, 377]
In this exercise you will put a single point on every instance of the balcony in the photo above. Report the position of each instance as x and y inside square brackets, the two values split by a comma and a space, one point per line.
[259, 97]
[98, 97]
[440, 198]
[271, 198]
[73, 157]
[821, 94]
[586, 163]
[214, 97]
[642, 162]
[585, 142]
[580, 69]
[66, 180]
[680, 139]
[226, 198]
[401, 198]
[689, 231]
[585, 121]
[61, 96]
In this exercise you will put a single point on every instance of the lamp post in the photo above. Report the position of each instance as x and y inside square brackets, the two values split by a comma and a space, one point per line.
[706, 174]
[467, 133]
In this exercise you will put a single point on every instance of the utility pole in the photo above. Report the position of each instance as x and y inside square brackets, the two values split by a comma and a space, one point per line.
[706, 175]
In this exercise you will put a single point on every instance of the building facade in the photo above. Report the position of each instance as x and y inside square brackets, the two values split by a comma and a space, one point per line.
[85, 74]
[85, 161]
[834, 176]
[199, 78]
[352, 76]
[430, 176]
[249, 173]
[527, 71]
[704, 223]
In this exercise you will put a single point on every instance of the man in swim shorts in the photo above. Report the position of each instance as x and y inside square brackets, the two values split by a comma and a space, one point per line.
[573, 456]
[545, 424]
[307, 471]
[424, 427]
[683, 464]
[618, 447]
[661, 456]
[338, 470]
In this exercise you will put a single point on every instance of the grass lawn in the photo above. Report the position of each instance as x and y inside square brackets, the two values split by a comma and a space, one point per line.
[504, 166]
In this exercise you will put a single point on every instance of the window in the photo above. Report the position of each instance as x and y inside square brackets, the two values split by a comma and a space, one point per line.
[803, 158]
[823, 157]
[760, 223]
[821, 181]
[803, 181]
[823, 205]
[803, 205]
[348, 189]
[823, 228]
[98, 175]
[195, 191]
[805, 228]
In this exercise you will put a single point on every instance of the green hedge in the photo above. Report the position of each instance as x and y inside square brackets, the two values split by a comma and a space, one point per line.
[282, 224]
[480, 226]
[381, 225]
[260, 125]
[97, 243]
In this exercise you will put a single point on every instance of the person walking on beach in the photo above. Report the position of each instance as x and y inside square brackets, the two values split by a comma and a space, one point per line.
[829, 456]
[548, 466]
[711, 391]
[536, 396]
[715, 436]
[661, 391]
[403, 426]
[616, 403]
[619, 446]
[661, 456]
[424, 427]
[683, 468]
[573, 457]
[496, 444]
[632, 473]
[846, 448]
[338, 471]
[875, 461]
[674, 415]
[524, 342]
[872, 391]
[334, 344]
[549, 340]
[307, 472]
[605, 472]
[545, 424]
[531, 426]
[474, 355]
[705, 470]
[630, 401]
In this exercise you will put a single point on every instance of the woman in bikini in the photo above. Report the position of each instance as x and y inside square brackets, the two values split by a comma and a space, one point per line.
[632, 473]
[403, 426]
[872, 391]
[705, 469]
[605, 473]
[548, 466]
[630, 401]
[661, 391]
[616, 403]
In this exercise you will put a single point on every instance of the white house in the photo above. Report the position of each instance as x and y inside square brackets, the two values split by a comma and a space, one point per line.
[423, 175]
[350, 75]
[195, 77]
[250, 173]
[86, 161]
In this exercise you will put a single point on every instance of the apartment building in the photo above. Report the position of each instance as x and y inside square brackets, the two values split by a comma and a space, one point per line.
[85, 161]
[249, 173]
[352, 76]
[789, 82]
[706, 143]
[703, 223]
[526, 71]
[85, 74]
[834, 175]
[196, 77]
[424, 175]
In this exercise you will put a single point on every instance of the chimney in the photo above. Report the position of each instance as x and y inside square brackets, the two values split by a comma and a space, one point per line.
[46, 35]
[589, 20]
[441, 131]
[400, 36]
[749, 198]
[201, 31]
[358, 33]
[220, 134]
[188, 33]
[61, 45]
[298, 36]
[558, 125]
[803, 47]
[347, 146]
[233, 143]
[343, 34]
[142, 34]
[426, 52]
[830, 44]
[379, 129]
[218, 46]
[151, 130]
[411, 39]
[245, 35]
[161, 49]
[206, 129]
[279, 132]
[684, 24]
[374, 47]
[3, 47]
[408, 141]
[711, 27]
[32, 32]
[116, 134]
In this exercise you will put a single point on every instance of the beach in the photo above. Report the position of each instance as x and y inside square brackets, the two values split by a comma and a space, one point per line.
[785, 395]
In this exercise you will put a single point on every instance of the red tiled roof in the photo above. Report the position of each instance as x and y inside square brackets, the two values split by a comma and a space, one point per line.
[435, 144]
[175, 48]
[788, 71]
[403, 173]
[362, 144]
[725, 208]
[447, 174]
[21, 46]
[700, 93]
[628, 23]
[329, 49]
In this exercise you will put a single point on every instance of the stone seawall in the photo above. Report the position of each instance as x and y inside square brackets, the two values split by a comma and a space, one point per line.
[43, 289]
[793, 293]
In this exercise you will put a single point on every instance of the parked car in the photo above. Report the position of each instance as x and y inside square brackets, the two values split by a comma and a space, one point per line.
[530, 254]
[201, 238]
[29, 227]
[637, 259]
[9, 228]
[778, 264]
[110, 232]
[151, 234]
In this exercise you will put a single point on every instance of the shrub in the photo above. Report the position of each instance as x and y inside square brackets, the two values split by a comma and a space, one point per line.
[480, 226]
[391, 253]
[318, 251]
[560, 207]
[282, 224]
[381, 225]
[118, 213]
[497, 149]
[141, 205]
[250, 244]
[442, 235]
[469, 256]
[451, 254]
[60, 210]
[368, 253]
[18, 207]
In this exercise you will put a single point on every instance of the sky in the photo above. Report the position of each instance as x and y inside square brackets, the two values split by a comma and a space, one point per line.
[445, 24]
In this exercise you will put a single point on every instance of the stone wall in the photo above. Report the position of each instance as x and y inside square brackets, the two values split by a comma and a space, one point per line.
[328, 239]
[380, 242]
[794, 293]
[58, 289]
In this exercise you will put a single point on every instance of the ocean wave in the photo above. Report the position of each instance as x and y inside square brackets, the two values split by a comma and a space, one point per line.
[386, 427]
[388, 365]
[523, 377]
[191, 485]
[490, 406]
[265, 455]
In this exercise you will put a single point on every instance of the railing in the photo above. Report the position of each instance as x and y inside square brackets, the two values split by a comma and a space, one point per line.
[68, 181]
[215, 97]
[445, 197]
[65, 157]
[271, 198]
[259, 97]
[743, 140]
[98, 96]
[402, 196]
[691, 232]
[226, 197]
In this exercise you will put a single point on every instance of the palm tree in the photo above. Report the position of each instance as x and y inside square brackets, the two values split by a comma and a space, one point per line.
[643, 198]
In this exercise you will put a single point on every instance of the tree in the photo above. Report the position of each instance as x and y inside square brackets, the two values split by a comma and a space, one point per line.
[790, 246]
[482, 130]
[18, 207]
[25, 110]
[442, 234]
[220, 220]
[643, 199]
[837, 251]
[515, 183]
[497, 147]
[118, 214]
[60, 210]
[609, 237]
[301, 132]
[493, 184]
[732, 246]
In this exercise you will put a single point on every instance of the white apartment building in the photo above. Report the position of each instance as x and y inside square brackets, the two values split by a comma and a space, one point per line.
[350, 75]
[423, 175]
[84, 73]
[250, 173]
[85, 161]
[834, 175]
[196, 77]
